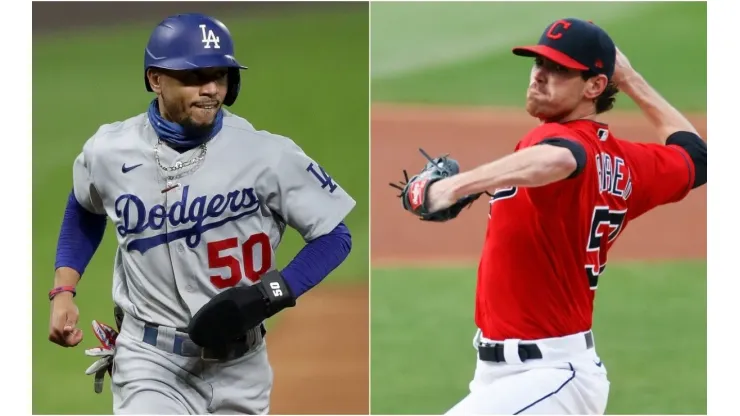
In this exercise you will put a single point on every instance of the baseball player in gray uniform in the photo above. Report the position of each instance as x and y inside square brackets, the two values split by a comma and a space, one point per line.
[200, 200]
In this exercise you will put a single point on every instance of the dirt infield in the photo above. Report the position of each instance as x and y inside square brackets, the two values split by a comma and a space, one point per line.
[475, 136]
[320, 353]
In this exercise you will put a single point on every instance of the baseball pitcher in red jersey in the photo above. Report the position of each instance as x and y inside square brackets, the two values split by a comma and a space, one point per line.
[558, 204]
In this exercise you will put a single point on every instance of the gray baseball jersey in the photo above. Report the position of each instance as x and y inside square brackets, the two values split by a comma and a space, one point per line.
[190, 225]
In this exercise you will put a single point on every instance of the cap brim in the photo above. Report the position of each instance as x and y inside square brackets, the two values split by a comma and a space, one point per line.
[551, 54]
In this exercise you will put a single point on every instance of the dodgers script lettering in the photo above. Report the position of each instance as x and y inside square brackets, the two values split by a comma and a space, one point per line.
[135, 217]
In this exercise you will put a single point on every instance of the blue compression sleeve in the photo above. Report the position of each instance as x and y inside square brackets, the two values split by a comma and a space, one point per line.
[317, 259]
[81, 234]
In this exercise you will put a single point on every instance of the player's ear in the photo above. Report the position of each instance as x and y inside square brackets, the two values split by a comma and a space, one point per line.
[155, 80]
[595, 86]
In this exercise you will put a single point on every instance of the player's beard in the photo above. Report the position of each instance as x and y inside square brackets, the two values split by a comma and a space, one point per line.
[196, 129]
[191, 127]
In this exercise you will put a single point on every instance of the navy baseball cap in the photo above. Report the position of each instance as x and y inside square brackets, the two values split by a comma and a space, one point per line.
[575, 44]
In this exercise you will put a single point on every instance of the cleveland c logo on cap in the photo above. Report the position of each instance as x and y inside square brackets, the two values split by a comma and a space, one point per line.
[551, 33]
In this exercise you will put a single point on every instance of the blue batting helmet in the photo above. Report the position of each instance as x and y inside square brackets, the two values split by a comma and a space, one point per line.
[192, 41]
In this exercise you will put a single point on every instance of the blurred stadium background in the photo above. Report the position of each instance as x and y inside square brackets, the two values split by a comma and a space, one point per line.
[307, 79]
[432, 62]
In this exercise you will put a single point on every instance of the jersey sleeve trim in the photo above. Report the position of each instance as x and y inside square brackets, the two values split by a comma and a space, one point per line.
[690, 182]
[694, 151]
[576, 148]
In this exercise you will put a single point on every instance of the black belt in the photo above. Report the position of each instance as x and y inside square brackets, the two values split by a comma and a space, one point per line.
[495, 352]
[182, 345]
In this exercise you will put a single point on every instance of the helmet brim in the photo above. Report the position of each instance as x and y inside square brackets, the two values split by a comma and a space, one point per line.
[197, 61]
[194, 62]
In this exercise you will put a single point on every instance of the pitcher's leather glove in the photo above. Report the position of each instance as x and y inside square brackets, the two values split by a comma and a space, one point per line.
[414, 191]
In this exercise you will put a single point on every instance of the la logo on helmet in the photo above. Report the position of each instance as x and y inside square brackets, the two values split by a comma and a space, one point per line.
[209, 38]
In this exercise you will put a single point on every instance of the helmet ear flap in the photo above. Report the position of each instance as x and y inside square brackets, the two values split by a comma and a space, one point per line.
[234, 84]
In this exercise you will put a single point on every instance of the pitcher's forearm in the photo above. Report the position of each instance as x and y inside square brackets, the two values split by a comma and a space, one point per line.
[661, 114]
[534, 166]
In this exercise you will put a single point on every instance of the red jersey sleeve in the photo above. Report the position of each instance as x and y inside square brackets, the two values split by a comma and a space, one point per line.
[548, 194]
[662, 174]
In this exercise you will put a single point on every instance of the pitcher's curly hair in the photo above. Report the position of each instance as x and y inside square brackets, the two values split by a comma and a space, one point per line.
[605, 101]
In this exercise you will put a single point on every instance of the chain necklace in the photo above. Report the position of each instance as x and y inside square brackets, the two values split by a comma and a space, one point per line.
[172, 171]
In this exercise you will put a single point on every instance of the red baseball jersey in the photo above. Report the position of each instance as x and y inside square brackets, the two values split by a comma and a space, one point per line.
[546, 246]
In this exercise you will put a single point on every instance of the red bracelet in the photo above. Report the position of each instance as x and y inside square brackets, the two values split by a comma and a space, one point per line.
[60, 289]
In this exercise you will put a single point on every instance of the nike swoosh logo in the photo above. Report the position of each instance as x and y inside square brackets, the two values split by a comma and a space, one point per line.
[127, 169]
[599, 364]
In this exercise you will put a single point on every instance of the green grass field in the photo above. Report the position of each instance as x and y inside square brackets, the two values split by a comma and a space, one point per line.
[650, 319]
[293, 87]
[649, 325]
[460, 53]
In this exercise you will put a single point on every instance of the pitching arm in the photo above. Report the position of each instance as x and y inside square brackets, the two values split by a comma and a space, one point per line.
[682, 161]
[550, 161]
[666, 119]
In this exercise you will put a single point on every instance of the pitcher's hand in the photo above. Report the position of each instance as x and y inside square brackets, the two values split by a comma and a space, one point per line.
[63, 321]
[623, 70]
